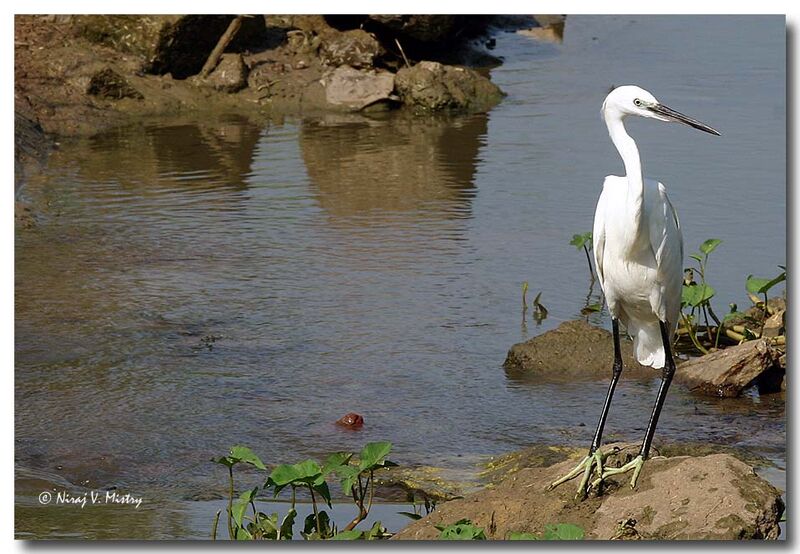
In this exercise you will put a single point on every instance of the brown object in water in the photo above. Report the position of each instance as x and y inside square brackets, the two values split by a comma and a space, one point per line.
[351, 420]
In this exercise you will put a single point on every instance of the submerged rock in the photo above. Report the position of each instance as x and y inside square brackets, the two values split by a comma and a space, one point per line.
[431, 86]
[729, 371]
[698, 498]
[352, 420]
[419, 484]
[573, 349]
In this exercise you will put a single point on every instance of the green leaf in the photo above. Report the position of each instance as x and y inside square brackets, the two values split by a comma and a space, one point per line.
[697, 257]
[224, 460]
[268, 525]
[377, 531]
[240, 505]
[373, 453]
[578, 241]
[242, 534]
[324, 492]
[695, 295]
[591, 308]
[306, 472]
[563, 532]
[245, 455]
[351, 535]
[287, 524]
[518, 536]
[310, 526]
[759, 285]
[462, 530]
[348, 476]
[755, 284]
[334, 461]
[709, 246]
[732, 315]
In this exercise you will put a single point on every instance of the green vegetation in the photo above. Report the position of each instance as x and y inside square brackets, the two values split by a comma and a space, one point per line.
[735, 327]
[465, 530]
[584, 241]
[357, 479]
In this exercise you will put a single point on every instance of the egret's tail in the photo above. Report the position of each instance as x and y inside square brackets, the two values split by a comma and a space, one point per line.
[647, 345]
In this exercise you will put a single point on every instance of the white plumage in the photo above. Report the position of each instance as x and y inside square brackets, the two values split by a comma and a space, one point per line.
[640, 268]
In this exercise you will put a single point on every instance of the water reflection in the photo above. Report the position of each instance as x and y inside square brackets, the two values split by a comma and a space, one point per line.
[395, 165]
[218, 152]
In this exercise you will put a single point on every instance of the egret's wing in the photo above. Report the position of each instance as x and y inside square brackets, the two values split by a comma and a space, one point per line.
[666, 241]
[599, 231]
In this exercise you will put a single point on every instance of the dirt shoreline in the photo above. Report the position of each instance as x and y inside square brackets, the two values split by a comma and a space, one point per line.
[78, 75]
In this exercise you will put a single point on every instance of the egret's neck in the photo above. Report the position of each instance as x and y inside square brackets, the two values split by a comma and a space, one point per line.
[627, 149]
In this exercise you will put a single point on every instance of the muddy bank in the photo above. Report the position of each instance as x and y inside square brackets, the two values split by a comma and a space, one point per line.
[713, 496]
[75, 75]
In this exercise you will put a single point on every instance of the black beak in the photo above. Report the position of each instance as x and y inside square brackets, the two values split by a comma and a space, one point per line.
[675, 115]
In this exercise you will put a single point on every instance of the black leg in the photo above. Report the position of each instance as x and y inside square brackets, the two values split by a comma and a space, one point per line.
[617, 371]
[666, 379]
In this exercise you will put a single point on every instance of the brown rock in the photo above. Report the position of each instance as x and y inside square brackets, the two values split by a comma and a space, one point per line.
[713, 497]
[351, 89]
[230, 75]
[573, 349]
[356, 48]
[351, 420]
[729, 371]
[774, 325]
[698, 498]
[431, 86]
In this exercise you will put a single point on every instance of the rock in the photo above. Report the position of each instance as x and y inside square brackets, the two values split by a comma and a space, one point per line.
[107, 83]
[430, 28]
[351, 89]
[431, 86]
[573, 349]
[421, 483]
[713, 497]
[775, 324]
[728, 372]
[230, 75]
[697, 498]
[356, 48]
[350, 420]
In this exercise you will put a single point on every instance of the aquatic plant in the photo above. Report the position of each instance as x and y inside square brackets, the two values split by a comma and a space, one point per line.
[584, 241]
[357, 481]
[760, 285]
[697, 296]
[466, 530]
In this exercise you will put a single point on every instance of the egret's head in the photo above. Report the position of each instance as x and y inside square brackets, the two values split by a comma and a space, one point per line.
[632, 100]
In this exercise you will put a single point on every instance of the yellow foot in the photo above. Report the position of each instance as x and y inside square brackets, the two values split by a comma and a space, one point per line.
[589, 464]
[635, 465]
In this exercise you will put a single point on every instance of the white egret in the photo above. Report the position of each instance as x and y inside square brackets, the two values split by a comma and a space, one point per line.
[638, 252]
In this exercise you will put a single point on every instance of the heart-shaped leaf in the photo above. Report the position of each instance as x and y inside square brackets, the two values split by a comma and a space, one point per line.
[709, 246]
[373, 454]
[247, 456]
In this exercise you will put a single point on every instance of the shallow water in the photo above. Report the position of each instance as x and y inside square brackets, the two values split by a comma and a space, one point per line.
[197, 284]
